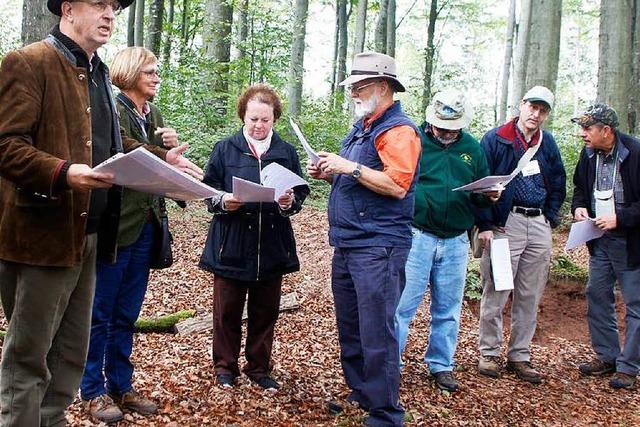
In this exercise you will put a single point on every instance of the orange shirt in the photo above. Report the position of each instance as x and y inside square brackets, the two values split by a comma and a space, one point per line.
[399, 149]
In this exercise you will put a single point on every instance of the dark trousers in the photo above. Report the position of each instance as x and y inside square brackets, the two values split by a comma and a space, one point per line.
[120, 289]
[263, 307]
[367, 283]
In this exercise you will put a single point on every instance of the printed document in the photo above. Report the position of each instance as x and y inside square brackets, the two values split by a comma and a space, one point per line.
[501, 265]
[581, 232]
[143, 171]
[247, 191]
[276, 179]
[313, 156]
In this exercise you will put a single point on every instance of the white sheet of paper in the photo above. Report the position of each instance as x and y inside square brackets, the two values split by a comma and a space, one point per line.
[280, 178]
[501, 265]
[532, 168]
[581, 232]
[143, 171]
[247, 191]
[498, 182]
[313, 156]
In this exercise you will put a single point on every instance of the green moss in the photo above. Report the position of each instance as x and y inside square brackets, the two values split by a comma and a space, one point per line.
[162, 323]
[565, 269]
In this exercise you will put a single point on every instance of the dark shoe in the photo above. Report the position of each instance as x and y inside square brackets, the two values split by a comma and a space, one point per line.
[597, 367]
[622, 380]
[446, 381]
[133, 401]
[334, 407]
[266, 383]
[103, 408]
[525, 371]
[489, 366]
[225, 380]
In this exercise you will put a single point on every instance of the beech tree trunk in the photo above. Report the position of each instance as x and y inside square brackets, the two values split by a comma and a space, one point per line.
[243, 28]
[154, 30]
[296, 67]
[381, 27]
[217, 43]
[391, 28]
[429, 54]
[166, 48]
[37, 21]
[506, 65]
[544, 44]
[361, 27]
[634, 107]
[139, 29]
[615, 57]
[520, 58]
[131, 25]
[341, 65]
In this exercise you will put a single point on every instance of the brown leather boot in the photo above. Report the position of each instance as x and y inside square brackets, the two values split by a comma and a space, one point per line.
[133, 401]
[103, 408]
[489, 366]
[525, 371]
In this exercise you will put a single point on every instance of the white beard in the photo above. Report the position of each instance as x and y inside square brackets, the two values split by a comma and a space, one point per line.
[366, 108]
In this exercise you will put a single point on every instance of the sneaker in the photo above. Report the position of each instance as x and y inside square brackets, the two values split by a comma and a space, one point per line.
[103, 408]
[525, 371]
[446, 381]
[266, 383]
[597, 367]
[225, 380]
[135, 402]
[622, 380]
[489, 366]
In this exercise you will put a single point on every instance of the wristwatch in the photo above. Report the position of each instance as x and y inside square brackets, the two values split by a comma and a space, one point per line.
[357, 173]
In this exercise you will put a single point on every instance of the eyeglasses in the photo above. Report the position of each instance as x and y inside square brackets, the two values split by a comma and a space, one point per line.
[151, 73]
[358, 90]
[101, 5]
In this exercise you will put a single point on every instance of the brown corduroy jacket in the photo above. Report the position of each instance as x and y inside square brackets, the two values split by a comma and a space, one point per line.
[45, 120]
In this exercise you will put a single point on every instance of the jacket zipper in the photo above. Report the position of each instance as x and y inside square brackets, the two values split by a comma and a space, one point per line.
[259, 221]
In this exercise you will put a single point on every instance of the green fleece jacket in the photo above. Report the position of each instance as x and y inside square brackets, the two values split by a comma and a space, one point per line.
[438, 209]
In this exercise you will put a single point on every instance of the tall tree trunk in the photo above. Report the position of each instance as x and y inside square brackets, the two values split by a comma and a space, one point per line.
[243, 27]
[154, 29]
[336, 43]
[381, 27]
[391, 28]
[217, 43]
[506, 65]
[544, 44]
[184, 29]
[296, 67]
[166, 48]
[614, 65]
[341, 67]
[429, 54]
[361, 27]
[131, 25]
[139, 30]
[37, 21]
[520, 57]
[634, 107]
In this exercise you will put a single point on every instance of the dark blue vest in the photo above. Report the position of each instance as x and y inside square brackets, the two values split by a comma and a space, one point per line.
[359, 217]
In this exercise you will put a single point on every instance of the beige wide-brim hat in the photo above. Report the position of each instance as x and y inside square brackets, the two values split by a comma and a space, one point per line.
[450, 110]
[371, 65]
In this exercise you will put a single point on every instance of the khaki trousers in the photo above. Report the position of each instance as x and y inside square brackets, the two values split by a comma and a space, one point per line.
[530, 246]
[44, 351]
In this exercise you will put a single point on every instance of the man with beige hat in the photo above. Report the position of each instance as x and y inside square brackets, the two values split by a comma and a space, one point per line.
[370, 213]
[525, 214]
[439, 252]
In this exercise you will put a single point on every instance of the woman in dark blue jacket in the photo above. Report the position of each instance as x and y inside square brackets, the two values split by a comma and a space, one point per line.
[250, 246]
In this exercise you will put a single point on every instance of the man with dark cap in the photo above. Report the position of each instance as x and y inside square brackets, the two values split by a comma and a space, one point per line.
[57, 121]
[525, 214]
[607, 191]
[370, 212]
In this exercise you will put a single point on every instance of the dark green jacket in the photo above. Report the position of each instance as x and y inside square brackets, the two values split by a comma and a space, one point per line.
[439, 210]
[135, 205]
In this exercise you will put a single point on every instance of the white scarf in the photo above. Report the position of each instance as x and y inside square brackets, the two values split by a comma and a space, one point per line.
[259, 146]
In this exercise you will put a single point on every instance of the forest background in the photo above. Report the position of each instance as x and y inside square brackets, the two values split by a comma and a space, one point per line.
[210, 50]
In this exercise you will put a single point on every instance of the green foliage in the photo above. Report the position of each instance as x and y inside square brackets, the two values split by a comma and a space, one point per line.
[162, 323]
[564, 268]
[473, 282]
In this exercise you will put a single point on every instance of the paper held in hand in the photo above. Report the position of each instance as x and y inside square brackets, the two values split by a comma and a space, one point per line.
[276, 179]
[499, 182]
[313, 156]
[143, 171]
[581, 232]
[501, 265]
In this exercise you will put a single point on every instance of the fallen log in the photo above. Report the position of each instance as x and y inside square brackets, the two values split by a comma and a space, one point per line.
[204, 322]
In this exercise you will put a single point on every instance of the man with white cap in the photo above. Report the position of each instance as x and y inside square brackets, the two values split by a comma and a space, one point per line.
[524, 215]
[440, 247]
[370, 213]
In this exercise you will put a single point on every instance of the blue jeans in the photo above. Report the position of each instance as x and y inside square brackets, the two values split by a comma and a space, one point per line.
[443, 264]
[366, 284]
[120, 289]
[607, 264]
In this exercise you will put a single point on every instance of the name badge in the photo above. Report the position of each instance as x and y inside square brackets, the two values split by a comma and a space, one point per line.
[532, 168]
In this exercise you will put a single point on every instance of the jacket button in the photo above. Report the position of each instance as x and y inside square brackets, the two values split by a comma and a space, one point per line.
[88, 143]
[88, 110]
[83, 215]
[361, 214]
[81, 77]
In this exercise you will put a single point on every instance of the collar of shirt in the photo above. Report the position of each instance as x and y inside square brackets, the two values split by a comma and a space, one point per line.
[81, 56]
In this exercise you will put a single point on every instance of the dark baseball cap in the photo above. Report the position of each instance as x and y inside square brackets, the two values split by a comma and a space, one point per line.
[597, 113]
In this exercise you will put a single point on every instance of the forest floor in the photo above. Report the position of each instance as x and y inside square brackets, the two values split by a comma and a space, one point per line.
[176, 371]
